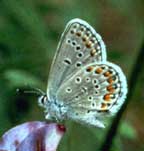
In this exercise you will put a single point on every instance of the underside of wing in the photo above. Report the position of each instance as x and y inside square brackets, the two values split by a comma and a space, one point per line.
[79, 45]
[96, 88]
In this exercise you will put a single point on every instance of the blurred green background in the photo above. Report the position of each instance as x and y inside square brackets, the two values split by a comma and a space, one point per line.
[29, 34]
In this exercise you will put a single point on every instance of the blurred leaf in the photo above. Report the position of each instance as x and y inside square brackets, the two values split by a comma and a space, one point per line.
[127, 131]
[19, 78]
[115, 55]
[26, 15]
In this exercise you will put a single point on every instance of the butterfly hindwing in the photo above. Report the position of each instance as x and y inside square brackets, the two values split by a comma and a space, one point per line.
[97, 87]
[79, 45]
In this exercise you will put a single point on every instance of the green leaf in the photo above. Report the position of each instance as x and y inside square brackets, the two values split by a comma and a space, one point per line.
[128, 131]
[19, 78]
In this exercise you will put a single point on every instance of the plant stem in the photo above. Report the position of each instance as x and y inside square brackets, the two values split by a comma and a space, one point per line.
[136, 71]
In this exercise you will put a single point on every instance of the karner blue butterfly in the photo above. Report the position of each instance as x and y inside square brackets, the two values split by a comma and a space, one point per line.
[83, 86]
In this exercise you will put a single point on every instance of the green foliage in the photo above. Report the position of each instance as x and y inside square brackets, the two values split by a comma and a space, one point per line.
[127, 131]
[17, 78]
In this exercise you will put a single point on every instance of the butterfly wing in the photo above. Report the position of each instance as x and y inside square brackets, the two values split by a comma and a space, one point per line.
[79, 45]
[95, 90]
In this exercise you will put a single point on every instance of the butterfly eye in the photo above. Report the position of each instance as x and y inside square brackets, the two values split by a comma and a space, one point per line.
[42, 100]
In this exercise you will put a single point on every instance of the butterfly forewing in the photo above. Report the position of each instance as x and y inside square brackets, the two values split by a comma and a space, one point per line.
[79, 46]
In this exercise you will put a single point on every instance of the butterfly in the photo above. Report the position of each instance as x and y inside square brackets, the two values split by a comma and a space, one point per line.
[82, 85]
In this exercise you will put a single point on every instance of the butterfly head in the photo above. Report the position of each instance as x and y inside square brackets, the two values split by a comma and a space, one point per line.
[42, 97]
[53, 110]
[43, 100]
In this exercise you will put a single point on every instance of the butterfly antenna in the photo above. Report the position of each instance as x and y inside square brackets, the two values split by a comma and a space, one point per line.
[33, 91]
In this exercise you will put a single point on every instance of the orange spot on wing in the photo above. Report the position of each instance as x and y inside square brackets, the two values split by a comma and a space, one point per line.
[98, 70]
[78, 34]
[107, 97]
[93, 52]
[110, 88]
[84, 38]
[107, 74]
[88, 44]
[110, 80]
[89, 69]
[103, 106]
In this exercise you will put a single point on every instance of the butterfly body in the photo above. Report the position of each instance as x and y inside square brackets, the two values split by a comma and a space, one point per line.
[83, 85]
[54, 109]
